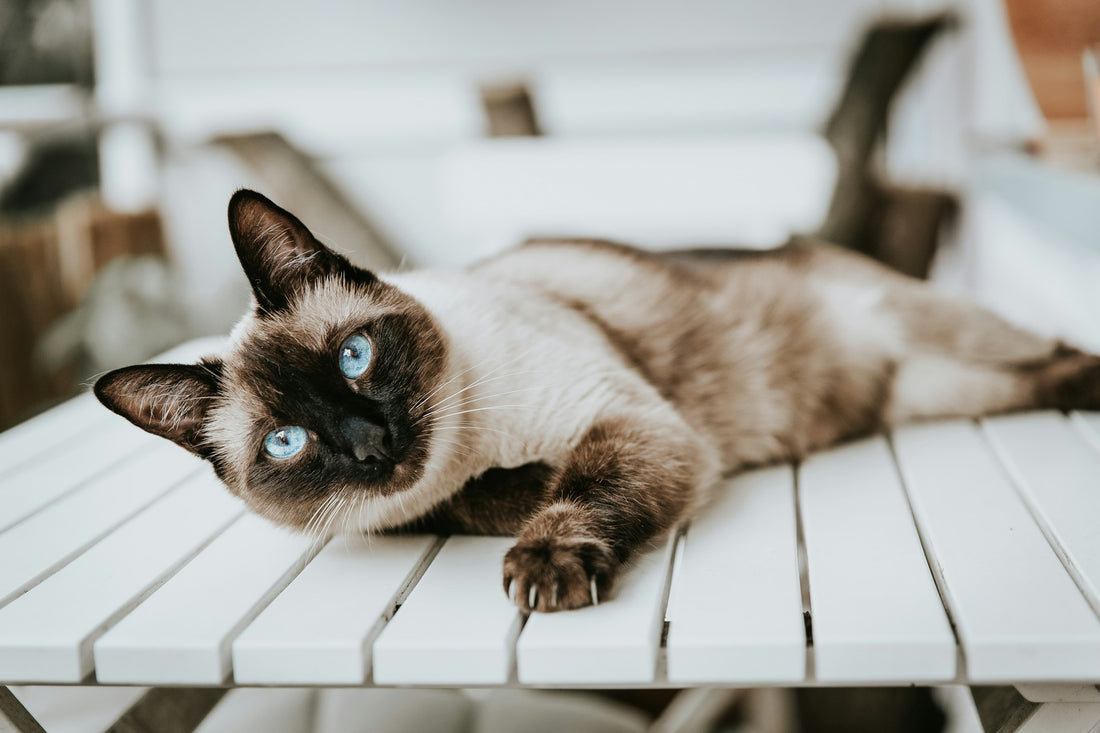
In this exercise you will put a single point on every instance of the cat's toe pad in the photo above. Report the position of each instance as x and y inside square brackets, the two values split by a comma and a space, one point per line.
[558, 574]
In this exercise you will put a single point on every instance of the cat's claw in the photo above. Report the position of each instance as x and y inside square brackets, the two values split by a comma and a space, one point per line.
[557, 574]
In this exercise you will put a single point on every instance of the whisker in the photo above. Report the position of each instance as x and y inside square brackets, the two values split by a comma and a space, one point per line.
[475, 366]
[486, 379]
[484, 409]
[309, 528]
[470, 399]
[473, 428]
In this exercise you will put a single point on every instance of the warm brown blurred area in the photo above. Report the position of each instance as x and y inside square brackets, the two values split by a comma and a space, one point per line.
[1051, 36]
[46, 266]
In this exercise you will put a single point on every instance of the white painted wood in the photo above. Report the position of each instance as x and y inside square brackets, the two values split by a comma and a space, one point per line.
[44, 432]
[877, 615]
[191, 351]
[492, 38]
[76, 709]
[1062, 717]
[319, 630]
[457, 626]
[779, 183]
[1058, 474]
[1088, 423]
[957, 702]
[269, 711]
[182, 633]
[46, 541]
[1059, 693]
[735, 612]
[83, 415]
[36, 484]
[1018, 614]
[46, 634]
[614, 642]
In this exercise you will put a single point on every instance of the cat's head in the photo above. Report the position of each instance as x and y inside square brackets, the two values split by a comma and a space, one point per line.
[323, 393]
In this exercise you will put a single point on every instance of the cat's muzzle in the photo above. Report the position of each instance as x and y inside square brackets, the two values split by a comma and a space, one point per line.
[368, 442]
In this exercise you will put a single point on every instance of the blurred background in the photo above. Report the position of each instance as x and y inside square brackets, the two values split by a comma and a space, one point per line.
[428, 133]
[953, 139]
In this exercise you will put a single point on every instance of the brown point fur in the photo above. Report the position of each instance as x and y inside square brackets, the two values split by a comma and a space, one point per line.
[694, 363]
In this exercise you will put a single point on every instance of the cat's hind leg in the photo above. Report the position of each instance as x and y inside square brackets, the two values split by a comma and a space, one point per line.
[962, 360]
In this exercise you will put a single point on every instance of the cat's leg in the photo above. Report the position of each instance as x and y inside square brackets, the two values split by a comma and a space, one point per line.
[628, 481]
[963, 360]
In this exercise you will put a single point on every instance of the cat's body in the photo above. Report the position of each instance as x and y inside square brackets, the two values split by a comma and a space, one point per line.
[581, 395]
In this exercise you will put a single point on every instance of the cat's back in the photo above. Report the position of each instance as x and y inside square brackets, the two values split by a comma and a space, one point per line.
[726, 335]
[624, 284]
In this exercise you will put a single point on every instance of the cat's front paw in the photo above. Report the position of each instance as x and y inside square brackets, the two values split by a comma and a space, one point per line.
[556, 574]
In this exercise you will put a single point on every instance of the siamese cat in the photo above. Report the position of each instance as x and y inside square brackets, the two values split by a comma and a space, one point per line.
[582, 395]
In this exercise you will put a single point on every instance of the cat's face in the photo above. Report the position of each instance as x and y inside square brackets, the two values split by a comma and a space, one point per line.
[321, 404]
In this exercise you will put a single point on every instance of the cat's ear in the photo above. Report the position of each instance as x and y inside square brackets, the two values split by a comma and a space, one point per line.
[278, 253]
[169, 400]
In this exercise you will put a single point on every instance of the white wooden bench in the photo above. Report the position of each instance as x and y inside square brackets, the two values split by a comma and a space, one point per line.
[947, 553]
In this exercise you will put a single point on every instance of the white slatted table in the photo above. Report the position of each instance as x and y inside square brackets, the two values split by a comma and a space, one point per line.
[953, 552]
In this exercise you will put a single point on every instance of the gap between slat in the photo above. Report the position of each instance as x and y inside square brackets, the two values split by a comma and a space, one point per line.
[930, 560]
[516, 629]
[88, 644]
[396, 602]
[57, 438]
[65, 561]
[803, 572]
[95, 475]
[660, 673]
[225, 649]
[1017, 481]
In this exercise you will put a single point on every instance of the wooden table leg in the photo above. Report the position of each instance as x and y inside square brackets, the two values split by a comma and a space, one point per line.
[169, 710]
[14, 717]
[1005, 710]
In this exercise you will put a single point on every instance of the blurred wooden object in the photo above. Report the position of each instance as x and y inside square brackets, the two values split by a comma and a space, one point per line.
[509, 110]
[898, 226]
[45, 266]
[1050, 36]
[295, 182]
[1069, 144]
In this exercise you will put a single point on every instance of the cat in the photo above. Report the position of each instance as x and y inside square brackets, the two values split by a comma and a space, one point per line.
[582, 395]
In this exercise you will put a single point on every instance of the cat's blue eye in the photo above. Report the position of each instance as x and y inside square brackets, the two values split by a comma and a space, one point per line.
[285, 442]
[355, 356]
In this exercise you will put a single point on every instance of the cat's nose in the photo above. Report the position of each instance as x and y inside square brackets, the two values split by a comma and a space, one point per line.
[366, 440]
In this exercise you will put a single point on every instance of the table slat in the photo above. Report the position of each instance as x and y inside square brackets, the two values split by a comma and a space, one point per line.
[1059, 475]
[83, 414]
[46, 541]
[319, 630]
[182, 633]
[1018, 614]
[457, 626]
[46, 634]
[735, 612]
[1088, 423]
[45, 432]
[877, 615]
[28, 489]
[616, 641]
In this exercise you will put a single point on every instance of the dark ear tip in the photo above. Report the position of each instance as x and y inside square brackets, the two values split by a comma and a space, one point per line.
[106, 388]
[245, 197]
